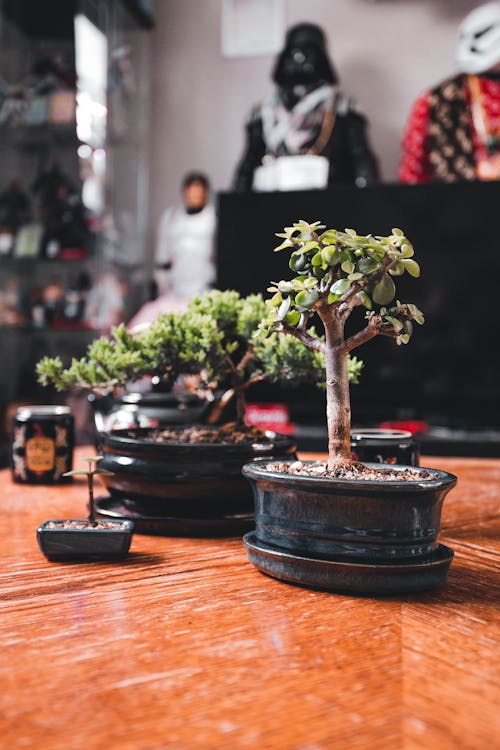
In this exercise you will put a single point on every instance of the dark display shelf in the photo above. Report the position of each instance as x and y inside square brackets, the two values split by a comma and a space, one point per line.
[449, 374]
[28, 137]
[439, 441]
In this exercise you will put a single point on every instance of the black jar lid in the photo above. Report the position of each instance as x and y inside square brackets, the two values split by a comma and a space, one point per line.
[25, 413]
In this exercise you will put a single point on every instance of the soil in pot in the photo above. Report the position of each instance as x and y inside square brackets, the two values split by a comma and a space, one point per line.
[365, 472]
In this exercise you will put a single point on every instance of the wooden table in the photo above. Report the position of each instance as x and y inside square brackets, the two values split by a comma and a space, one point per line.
[185, 646]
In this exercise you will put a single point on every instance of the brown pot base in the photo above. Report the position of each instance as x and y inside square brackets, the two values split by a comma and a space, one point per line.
[349, 577]
[208, 526]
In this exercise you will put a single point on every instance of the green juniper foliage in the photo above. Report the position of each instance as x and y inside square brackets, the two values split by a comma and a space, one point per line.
[334, 273]
[215, 338]
[174, 344]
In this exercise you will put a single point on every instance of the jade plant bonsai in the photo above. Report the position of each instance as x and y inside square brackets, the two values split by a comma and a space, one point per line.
[342, 525]
[215, 339]
[334, 273]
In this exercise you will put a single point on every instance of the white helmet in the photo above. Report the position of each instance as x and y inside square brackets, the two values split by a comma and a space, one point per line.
[479, 43]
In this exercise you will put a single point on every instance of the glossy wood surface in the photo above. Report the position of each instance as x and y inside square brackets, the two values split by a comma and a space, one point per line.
[185, 646]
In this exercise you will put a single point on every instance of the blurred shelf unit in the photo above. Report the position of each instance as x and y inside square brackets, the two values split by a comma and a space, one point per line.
[74, 101]
[28, 137]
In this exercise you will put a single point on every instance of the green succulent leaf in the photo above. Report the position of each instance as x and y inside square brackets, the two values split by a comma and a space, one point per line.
[311, 245]
[367, 266]
[412, 267]
[365, 300]
[340, 287]
[283, 309]
[298, 262]
[292, 318]
[333, 298]
[384, 290]
[286, 243]
[306, 298]
[407, 250]
[396, 324]
[398, 270]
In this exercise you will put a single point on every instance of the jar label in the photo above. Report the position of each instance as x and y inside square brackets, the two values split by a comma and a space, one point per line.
[40, 454]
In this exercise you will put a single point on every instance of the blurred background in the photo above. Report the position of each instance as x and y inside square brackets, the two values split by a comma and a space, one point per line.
[107, 105]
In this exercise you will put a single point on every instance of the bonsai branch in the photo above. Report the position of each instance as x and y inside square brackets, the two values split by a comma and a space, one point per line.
[255, 379]
[374, 328]
[303, 337]
[248, 357]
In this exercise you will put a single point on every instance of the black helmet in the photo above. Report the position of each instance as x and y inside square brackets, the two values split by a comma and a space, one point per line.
[304, 58]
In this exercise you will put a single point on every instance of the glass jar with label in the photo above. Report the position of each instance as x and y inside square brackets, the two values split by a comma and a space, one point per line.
[42, 444]
[377, 445]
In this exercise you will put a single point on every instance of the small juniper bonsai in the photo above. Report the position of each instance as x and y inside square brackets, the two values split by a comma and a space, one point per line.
[336, 272]
[216, 338]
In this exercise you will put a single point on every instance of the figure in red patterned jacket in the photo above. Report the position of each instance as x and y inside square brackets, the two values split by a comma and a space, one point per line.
[453, 132]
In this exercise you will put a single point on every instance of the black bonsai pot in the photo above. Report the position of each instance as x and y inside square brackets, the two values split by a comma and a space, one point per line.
[183, 479]
[150, 409]
[361, 523]
[79, 540]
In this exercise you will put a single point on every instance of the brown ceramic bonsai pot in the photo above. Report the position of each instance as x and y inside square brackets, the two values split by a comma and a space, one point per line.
[358, 523]
[79, 540]
[183, 479]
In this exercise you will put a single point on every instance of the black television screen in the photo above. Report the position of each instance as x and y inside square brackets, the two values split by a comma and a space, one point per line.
[449, 373]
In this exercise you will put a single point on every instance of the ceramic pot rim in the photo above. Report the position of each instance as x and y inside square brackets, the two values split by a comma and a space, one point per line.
[379, 434]
[152, 398]
[117, 439]
[440, 479]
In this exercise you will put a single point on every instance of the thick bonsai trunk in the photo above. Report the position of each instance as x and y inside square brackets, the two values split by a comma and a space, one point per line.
[338, 404]
[241, 406]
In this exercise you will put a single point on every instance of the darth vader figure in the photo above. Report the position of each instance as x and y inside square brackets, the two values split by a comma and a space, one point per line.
[306, 134]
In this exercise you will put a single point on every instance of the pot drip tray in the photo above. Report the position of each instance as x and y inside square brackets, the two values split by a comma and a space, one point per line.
[349, 577]
[224, 525]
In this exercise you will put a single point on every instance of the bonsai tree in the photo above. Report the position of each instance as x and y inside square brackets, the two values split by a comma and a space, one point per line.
[216, 339]
[334, 273]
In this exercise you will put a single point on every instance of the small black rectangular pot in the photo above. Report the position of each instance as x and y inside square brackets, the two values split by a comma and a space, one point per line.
[89, 543]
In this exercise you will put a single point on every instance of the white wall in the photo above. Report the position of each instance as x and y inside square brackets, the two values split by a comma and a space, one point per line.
[386, 53]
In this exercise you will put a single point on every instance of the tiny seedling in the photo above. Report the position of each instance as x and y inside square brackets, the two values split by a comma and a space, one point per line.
[91, 472]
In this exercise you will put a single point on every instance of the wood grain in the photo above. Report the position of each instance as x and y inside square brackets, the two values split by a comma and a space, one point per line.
[185, 646]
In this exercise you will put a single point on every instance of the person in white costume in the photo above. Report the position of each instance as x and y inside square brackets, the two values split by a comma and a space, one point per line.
[185, 253]
[184, 258]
